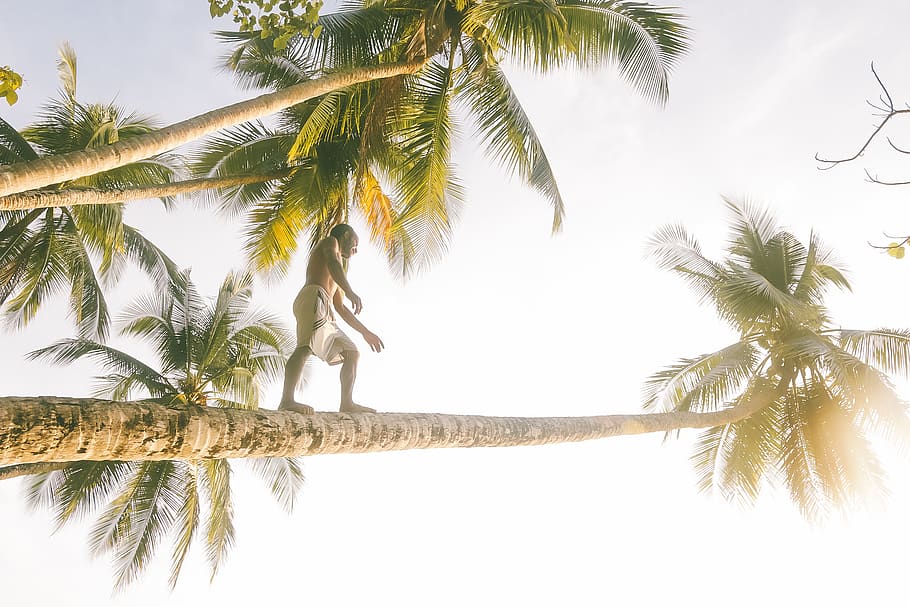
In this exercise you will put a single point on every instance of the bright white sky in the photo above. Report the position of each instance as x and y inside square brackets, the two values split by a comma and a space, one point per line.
[515, 322]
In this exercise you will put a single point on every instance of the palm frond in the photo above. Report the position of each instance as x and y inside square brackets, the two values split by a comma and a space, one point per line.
[677, 250]
[86, 486]
[67, 351]
[244, 149]
[186, 523]
[42, 273]
[148, 257]
[219, 535]
[284, 476]
[533, 32]
[66, 70]
[703, 383]
[508, 134]
[154, 503]
[425, 183]
[751, 447]
[13, 146]
[887, 349]
[751, 229]
[643, 40]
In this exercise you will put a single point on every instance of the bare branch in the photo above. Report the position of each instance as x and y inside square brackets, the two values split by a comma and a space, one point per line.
[888, 247]
[901, 150]
[888, 112]
[874, 179]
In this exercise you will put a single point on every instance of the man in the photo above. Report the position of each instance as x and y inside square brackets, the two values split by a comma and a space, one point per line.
[325, 288]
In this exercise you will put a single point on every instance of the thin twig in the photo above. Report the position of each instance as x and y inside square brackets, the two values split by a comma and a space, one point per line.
[875, 179]
[905, 240]
[888, 111]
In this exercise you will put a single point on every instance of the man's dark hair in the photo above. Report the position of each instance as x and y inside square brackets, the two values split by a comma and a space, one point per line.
[340, 230]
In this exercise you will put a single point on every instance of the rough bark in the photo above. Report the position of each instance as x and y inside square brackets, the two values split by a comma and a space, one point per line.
[54, 429]
[49, 170]
[42, 199]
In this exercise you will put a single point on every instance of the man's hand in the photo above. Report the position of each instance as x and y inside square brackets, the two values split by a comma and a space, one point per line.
[376, 344]
[355, 302]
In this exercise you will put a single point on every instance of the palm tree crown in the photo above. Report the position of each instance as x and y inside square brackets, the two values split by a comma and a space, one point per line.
[44, 250]
[825, 386]
[210, 353]
[384, 147]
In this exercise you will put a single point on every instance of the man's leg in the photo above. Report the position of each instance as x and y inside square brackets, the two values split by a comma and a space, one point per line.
[348, 375]
[292, 372]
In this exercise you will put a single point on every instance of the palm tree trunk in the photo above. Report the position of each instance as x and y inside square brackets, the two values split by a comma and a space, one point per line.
[29, 469]
[42, 199]
[54, 429]
[34, 174]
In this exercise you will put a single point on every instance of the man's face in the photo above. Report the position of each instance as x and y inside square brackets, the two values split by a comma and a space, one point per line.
[349, 244]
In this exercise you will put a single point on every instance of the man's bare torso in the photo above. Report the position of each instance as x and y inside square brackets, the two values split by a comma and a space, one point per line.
[317, 267]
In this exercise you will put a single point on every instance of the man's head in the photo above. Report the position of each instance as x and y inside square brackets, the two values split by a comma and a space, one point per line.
[347, 239]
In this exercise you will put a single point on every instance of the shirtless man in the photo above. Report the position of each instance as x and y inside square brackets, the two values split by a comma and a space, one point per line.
[326, 286]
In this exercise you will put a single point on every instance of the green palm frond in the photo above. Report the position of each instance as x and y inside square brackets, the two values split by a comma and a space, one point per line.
[747, 296]
[249, 148]
[219, 535]
[256, 64]
[644, 41]
[148, 257]
[322, 120]
[274, 225]
[703, 383]
[533, 32]
[186, 523]
[887, 349]
[86, 297]
[150, 505]
[675, 249]
[17, 239]
[86, 486]
[42, 274]
[232, 301]
[237, 387]
[509, 136]
[284, 476]
[426, 185]
[13, 146]
[67, 351]
[736, 459]
[751, 448]
[41, 489]
[314, 197]
[751, 229]
[354, 35]
[377, 208]
[827, 462]
[66, 70]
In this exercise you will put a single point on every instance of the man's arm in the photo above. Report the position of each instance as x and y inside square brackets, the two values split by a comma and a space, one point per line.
[332, 253]
[371, 338]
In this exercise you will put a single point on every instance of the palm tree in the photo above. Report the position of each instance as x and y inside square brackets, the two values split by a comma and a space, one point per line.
[210, 354]
[824, 388]
[45, 250]
[344, 145]
[49, 170]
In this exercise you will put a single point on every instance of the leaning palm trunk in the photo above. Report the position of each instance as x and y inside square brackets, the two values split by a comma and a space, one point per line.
[42, 199]
[49, 170]
[54, 429]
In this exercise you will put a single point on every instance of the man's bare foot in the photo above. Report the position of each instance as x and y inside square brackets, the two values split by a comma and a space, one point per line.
[296, 407]
[355, 408]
